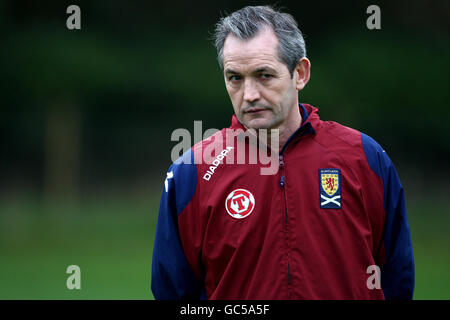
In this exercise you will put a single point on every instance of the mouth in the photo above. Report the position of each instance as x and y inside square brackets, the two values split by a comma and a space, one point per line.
[254, 110]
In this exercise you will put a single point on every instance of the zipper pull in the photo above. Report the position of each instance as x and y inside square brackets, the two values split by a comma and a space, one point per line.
[282, 181]
[281, 158]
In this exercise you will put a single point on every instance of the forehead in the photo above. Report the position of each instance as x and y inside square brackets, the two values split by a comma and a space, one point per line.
[261, 49]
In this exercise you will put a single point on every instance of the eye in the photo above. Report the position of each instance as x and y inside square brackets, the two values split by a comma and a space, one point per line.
[234, 78]
[266, 76]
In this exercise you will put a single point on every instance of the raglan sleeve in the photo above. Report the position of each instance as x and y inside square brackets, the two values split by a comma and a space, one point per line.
[397, 273]
[172, 277]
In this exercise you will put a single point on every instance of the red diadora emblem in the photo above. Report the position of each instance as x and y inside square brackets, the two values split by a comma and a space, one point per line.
[240, 203]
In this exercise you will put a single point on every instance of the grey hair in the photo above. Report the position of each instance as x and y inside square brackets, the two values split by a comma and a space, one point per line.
[247, 22]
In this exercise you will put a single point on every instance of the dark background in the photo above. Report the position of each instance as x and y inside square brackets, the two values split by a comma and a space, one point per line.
[87, 115]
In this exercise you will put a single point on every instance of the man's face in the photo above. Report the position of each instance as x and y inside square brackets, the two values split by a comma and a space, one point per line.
[259, 85]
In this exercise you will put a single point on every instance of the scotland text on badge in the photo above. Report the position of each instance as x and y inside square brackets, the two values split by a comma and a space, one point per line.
[330, 188]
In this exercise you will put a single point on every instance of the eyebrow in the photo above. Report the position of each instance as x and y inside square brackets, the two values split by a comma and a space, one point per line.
[264, 69]
[230, 71]
[259, 70]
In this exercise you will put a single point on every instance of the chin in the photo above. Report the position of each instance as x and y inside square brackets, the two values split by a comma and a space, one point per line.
[262, 123]
[258, 124]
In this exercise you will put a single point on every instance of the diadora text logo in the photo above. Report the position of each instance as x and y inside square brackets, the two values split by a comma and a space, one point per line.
[216, 163]
[240, 203]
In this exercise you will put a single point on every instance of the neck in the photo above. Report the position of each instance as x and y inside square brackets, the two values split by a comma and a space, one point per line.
[284, 131]
[287, 129]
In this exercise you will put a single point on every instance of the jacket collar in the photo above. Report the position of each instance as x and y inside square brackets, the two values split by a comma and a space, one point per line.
[310, 123]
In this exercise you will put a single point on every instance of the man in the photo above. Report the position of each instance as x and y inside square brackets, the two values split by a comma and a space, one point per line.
[329, 224]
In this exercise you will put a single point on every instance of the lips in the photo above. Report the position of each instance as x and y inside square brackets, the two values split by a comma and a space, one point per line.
[254, 110]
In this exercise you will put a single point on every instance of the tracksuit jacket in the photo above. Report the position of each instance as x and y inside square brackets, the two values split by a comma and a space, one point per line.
[329, 224]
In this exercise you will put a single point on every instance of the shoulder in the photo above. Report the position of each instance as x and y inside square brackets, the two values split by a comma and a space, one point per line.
[377, 157]
[185, 175]
[351, 142]
[337, 133]
[190, 162]
[182, 178]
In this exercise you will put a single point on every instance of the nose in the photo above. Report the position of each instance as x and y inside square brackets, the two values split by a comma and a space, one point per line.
[251, 92]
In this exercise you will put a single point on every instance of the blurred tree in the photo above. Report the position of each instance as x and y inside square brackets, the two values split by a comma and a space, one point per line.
[62, 147]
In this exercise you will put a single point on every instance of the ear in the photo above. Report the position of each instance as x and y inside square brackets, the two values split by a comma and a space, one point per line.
[301, 73]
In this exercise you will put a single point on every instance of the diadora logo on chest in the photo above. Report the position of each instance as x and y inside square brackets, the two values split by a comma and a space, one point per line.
[330, 188]
[216, 163]
[240, 203]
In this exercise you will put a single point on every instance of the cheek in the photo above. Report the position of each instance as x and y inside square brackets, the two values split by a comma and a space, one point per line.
[289, 94]
[235, 97]
[275, 95]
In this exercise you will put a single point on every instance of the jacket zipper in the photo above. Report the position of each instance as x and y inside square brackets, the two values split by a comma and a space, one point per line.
[283, 184]
[302, 130]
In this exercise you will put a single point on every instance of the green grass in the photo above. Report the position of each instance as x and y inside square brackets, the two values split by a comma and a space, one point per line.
[429, 222]
[111, 240]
